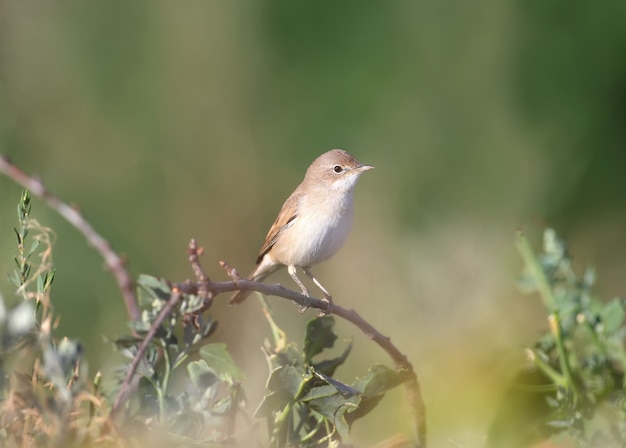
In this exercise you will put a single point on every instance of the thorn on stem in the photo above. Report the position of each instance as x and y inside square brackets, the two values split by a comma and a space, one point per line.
[193, 248]
[231, 271]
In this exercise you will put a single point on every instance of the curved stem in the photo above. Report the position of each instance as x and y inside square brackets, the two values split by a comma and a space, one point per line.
[141, 351]
[114, 262]
[400, 360]
[166, 380]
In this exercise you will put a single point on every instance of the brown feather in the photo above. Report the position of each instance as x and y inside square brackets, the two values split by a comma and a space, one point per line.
[287, 214]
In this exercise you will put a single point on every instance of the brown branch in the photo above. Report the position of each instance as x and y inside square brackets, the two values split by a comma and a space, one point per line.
[203, 280]
[112, 260]
[401, 363]
[141, 351]
[400, 360]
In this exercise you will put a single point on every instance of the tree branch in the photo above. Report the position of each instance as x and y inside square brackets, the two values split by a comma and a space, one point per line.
[113, 261]
[141, 351]
[400, 360]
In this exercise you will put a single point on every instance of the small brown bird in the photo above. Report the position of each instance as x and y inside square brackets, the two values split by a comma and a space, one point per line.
[313, 223]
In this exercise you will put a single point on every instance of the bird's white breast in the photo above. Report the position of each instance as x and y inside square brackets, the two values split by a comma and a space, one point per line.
[321, 227]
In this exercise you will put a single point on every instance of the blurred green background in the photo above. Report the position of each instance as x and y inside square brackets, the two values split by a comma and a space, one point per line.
[166, 120]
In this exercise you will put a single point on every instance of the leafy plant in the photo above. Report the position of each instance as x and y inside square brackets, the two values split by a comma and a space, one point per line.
[574, 387]
[304, 405]
[178, 388]
[45, 396]
[189, 389]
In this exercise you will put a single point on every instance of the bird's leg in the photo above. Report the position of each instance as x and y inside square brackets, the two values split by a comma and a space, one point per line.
[327, 295]
[292, 273]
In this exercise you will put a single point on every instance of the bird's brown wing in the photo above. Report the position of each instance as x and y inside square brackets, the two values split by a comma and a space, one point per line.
[288, 213]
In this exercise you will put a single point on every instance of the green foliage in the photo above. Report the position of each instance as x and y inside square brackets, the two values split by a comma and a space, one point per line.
[21, 274]
[575, 385]
[189, 389]
[304, 405]
[193, 387]
[184, 389]
[45, 396]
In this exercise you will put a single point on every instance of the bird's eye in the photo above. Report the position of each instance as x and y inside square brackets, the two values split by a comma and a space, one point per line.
[337, 169]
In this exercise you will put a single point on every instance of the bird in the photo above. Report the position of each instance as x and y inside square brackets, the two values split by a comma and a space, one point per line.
[313, 223]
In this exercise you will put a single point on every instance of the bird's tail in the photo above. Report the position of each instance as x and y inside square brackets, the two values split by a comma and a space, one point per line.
[242, 295]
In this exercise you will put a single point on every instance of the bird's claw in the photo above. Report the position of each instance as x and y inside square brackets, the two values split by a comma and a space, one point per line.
[329, 305]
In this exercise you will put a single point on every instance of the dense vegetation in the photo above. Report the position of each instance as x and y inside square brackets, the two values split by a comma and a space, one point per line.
[179, 389]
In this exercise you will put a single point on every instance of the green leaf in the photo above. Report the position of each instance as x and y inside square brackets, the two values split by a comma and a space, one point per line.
[328, 367]
[613, 315]
[48, 279]
[23, 207]
[290, 380]
[285, 385]
[193, 336]
[271, 402]
[146, 364]
[26, 272]
[201, 375]
[318, 392]
[33, 248]
[332, 405]
[15, 279]
[19, 237]
[535, 270]
[378, 380]
[287, 355]
[157, 288]
[343, 389]
[319, 335]
[217, 357]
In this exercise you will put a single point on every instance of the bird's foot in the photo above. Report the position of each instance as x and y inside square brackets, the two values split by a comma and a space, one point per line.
[329, 305]
[303, 308]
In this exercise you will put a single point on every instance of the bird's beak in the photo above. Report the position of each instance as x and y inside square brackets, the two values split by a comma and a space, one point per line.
[364, 168]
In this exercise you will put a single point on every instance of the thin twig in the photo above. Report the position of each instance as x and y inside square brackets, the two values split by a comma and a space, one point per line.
[195, 253]
[202, 285]
[141, 351]
[203, 280]
[113, 261]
